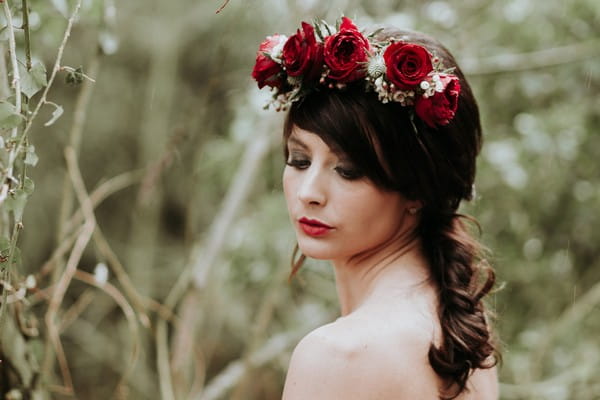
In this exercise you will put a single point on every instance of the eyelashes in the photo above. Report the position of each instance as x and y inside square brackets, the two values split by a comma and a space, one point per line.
[347, 172]
[350, 174]
[298, 163]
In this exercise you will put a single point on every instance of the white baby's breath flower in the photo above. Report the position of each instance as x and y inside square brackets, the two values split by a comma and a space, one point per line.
[424, 85]
[101, 273]
[399, 96]
[439, 86]
[30, 282]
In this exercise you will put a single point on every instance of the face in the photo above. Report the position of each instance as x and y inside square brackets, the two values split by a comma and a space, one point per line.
[337, 212]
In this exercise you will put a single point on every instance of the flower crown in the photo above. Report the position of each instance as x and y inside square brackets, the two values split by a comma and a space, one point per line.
[397, 71]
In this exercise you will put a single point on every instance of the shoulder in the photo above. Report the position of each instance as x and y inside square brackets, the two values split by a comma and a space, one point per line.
[483, 384]
[354, 358]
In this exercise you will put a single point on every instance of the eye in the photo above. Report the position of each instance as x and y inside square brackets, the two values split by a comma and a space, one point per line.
[349, 173]
[298, 162]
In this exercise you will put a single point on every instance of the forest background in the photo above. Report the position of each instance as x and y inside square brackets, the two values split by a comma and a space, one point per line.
[145, 244]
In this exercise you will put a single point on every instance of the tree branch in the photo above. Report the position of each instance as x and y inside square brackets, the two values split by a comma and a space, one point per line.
[506, 63]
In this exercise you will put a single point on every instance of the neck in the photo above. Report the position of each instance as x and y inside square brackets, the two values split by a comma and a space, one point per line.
[394, 268]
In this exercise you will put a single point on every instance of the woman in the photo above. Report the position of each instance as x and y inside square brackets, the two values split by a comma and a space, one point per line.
[381, 139]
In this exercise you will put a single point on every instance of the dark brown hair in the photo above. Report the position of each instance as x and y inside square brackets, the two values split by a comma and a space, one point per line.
[400, 152]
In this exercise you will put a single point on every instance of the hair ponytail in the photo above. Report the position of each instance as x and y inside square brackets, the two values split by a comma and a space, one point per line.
[463, 278]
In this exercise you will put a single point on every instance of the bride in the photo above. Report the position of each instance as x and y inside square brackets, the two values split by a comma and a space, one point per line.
[381, 138]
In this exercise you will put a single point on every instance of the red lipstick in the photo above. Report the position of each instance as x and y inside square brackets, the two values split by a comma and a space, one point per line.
[313, 227]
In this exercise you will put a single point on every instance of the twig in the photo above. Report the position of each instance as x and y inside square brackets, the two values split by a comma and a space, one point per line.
[102, 192]
[58, 252]
[137, 299]
[7, 273]
[155, 169]
[71, 69]
[231, 374]
[222, 6]
[16, 82]
[4, 85]
[71, 267]
[26, 31]
[88, 338]
[203, 256]
[79, 117]
[83, 301]
[55, 70]
[505, 63]
[264, 315]
[121, 301]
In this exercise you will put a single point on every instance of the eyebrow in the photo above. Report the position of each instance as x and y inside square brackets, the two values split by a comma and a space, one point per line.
[335, 151]
[294, 140]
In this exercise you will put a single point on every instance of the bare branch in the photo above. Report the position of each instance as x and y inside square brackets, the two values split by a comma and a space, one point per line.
[71, 267]
[121, 301]
[504, 63]
[222, 6]
[236, 369]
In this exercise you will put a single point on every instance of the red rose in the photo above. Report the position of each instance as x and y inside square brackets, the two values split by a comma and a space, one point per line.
[407, 64]
[346, 53]
[302, 55]
[267, 71]
[439, 109]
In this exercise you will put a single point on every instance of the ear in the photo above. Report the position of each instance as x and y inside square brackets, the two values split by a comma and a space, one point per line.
[414, 206]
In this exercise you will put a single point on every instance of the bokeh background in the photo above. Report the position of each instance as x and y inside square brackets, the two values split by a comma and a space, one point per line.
[191, 226]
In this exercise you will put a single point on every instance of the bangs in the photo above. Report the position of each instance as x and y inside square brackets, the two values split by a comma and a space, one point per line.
[344, 121]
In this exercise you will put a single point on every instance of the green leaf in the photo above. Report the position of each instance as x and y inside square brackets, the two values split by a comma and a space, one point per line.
[28, 186]
[16, 203]
[4, 33]
[318, 30]
[327, 28]
[30, 157]
[9, 117]
[4, 244]
[34, 80]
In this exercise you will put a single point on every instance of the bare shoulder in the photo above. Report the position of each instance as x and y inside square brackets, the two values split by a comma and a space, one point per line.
[361, 358]
[482, 385]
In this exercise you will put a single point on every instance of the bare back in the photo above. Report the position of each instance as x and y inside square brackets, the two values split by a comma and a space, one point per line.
[378, 352]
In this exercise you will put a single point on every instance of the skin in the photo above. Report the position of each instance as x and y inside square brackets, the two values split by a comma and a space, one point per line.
[378, 348]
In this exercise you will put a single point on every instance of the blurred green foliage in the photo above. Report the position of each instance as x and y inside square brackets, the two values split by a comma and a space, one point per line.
[173, 100]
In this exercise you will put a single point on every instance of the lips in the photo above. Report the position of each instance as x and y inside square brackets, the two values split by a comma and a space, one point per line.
[313, 227]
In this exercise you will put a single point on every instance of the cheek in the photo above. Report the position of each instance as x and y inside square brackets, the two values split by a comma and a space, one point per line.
[288, 185]
[375, 212]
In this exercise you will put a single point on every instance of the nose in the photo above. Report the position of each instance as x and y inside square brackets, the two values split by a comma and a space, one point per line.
[313, 188]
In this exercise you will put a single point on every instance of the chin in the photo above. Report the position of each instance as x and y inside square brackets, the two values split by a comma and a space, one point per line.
[318, 251]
